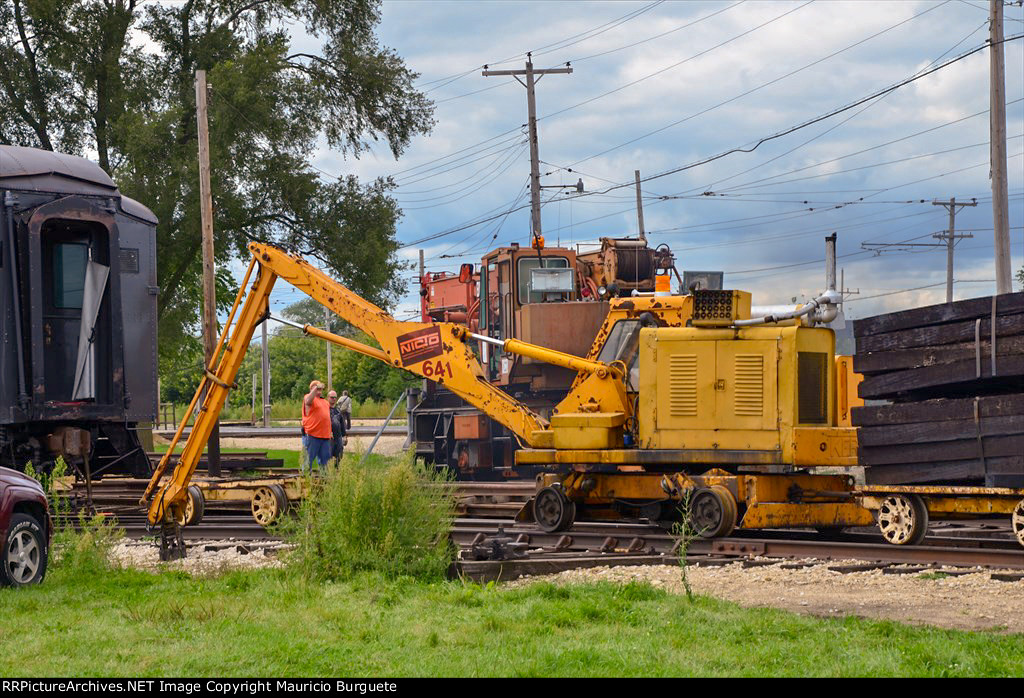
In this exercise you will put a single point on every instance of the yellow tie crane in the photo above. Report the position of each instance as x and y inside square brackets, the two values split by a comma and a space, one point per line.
[703, 401]
[437, 351]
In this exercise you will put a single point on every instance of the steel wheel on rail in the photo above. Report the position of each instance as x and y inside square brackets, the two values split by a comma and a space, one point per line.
[903, 519]
[713, 512]
[552, 510]
[195, 507]
[269, 504]
[1017, 521]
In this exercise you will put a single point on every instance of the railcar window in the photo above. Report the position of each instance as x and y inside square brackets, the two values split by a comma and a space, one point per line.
[69, 262]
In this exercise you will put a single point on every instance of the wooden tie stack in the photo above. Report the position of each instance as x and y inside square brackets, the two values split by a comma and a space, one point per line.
[954, 375]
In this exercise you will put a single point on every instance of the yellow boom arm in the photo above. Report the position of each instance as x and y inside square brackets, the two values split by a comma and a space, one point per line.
[436, 351]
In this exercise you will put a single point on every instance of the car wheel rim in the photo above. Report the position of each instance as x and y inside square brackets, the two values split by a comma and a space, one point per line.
[23, 557]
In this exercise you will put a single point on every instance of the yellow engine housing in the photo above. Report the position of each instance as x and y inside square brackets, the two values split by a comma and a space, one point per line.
[763, 393]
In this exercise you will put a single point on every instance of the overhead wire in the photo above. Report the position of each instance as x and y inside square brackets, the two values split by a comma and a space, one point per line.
[792, 129]
[603, 53]
[842, 123]
[589, 34]
[872, 165]
[675, 65]
[503, 167]
[457, 182]
[780, 134]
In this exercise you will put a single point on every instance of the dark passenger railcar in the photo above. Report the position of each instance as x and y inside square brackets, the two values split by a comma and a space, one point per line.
[78, 314]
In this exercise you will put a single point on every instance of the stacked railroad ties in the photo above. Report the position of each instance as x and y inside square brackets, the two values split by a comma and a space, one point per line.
[956, 390]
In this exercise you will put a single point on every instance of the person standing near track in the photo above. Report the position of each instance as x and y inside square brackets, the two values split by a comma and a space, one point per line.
[316, 423]
[345, 405]
[337, 427]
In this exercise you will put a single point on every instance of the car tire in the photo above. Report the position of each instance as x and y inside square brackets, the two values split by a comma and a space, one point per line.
[24, 553]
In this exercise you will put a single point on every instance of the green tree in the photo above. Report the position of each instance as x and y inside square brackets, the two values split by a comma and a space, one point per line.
[116, 77]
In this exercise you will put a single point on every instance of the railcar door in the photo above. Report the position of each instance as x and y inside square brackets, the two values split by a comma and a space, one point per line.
[76, 324]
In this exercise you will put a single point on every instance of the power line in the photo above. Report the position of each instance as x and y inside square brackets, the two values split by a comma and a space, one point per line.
[424, 172]
[779, 134]
[658, 36]
[503, 168]
[866, 167]
[500, 166]
[848, 155]
[792, 129]
[851, 117]
[460, 181]
[589, 34]
[677, 64]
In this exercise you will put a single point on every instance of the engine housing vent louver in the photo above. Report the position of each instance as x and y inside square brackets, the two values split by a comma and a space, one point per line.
[683, 385]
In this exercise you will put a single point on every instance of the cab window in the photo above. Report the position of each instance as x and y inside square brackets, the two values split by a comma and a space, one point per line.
[525, 264]
[621, 345]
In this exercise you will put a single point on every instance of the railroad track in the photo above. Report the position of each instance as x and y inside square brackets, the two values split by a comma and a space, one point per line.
[605, 544]
[486, 511]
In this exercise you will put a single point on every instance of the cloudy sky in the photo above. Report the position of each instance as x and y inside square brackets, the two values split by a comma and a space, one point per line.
[664, 86]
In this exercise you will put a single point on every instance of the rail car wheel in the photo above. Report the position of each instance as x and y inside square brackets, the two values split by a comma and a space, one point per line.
[713, 512]
[195, 507]
[269, 504]
[903, 519]
[552, 510]
[1017, 521]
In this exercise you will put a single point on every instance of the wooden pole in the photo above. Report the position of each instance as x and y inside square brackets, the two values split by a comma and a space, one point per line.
[532, 77]
[950, 237]
[639, 206]
[997, 124]
[209, 290]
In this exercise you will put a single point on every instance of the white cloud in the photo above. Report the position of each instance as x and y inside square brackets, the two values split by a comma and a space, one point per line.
[441, 39]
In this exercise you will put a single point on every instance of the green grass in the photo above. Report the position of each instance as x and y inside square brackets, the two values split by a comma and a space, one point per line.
[292, 410]
[290, 458]
[341, 620]
[275, 623]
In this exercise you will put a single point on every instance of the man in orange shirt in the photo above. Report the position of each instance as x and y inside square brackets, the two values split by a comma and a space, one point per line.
[316, 425]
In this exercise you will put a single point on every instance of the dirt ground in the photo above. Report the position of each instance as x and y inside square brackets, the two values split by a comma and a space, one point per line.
[969, 602]
[207, 558]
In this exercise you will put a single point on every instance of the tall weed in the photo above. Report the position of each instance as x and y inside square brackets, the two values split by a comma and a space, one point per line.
[80, 544]
[388, 515]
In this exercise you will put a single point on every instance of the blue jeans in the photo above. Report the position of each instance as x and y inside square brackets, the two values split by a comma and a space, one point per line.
[316, 450]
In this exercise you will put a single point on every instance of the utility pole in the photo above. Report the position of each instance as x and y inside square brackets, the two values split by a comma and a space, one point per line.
[532, 78]
[951, 237]
[209, 290]
[997, 141]
[327, 327]
[844, 292]
[639, 206]
[948, 238]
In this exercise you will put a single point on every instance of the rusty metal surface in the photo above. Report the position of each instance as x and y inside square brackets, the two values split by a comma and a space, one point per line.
[564, 327]
[667, 457]
[944, 490]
